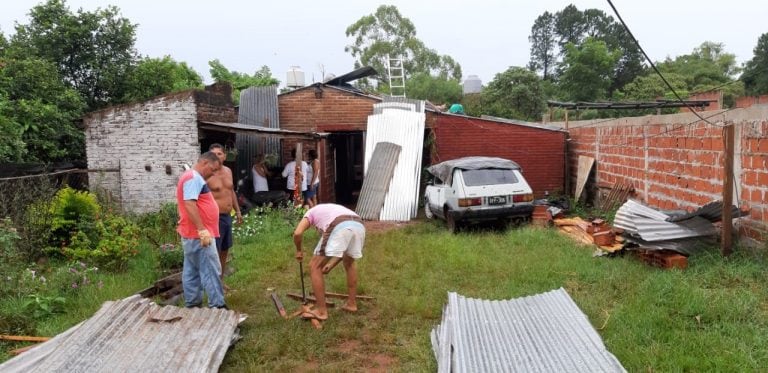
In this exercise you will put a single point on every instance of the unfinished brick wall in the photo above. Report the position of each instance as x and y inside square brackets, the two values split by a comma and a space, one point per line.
[674, 164]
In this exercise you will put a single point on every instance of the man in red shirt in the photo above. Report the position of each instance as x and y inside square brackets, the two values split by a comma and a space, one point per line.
[198, 225]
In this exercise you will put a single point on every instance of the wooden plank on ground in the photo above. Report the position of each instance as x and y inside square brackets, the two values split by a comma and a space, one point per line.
[577, 234]
[23, 338]
[345, 296]
[310, 299]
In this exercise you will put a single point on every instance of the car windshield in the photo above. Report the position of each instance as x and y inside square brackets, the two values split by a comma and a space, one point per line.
[488, 176]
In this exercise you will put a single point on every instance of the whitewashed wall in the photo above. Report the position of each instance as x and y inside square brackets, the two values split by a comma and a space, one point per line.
[155, 133]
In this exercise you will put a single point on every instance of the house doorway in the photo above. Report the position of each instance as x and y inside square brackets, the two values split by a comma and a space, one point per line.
[347, 149]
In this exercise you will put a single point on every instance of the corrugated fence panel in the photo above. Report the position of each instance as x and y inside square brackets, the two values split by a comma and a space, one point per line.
[136, 335]
[377, 180]
[541, 333]
[407, 130]
[419, 104]
[258, 106]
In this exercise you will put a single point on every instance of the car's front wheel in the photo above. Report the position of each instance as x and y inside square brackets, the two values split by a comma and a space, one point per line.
[427, 212]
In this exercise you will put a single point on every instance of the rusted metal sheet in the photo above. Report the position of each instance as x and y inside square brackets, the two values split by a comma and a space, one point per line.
[136, 335]
[258, 107]
[378, 176]
[541, 333]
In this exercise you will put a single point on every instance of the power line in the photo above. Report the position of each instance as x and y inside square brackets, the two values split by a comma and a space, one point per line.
[654, 65]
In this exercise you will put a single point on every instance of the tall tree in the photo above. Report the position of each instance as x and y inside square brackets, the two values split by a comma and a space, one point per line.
[587, 70]
[387, 33]
[240, 81]
[708, 67]
[156, 76]
[515, 93]
[38, 113]
[92, 51]
[755, 76]
[543, 42]
[438, 90]
[569, 26]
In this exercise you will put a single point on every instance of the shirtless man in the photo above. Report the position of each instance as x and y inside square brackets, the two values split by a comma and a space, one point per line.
[223, 189]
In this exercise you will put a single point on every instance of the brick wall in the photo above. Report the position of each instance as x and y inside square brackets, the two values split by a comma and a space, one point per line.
[675, 162]
[747, 101]
[214, 104]
[540, 152]
[336, 111]
[155, 133]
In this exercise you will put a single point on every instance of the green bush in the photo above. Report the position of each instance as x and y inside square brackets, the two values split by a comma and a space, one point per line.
[74, 211]
[40, 307]
[118, 242]
[35, 230]
[160, 227]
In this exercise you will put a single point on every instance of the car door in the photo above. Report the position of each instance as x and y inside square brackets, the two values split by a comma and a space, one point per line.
[435, 196]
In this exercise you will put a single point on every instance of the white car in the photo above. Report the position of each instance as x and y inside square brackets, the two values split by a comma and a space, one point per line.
[475, 189]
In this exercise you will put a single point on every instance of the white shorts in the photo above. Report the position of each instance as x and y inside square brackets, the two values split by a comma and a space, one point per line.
[347, 238]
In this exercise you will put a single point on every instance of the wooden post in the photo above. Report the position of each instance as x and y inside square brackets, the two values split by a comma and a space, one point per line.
[566, 119]
[726, 239]
[297, 197]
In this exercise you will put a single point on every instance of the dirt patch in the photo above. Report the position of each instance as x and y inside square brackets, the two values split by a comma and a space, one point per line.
[348, 347]
[384, 226]
[381, 363]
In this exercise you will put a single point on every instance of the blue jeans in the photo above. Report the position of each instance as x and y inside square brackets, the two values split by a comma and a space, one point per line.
[202, 270]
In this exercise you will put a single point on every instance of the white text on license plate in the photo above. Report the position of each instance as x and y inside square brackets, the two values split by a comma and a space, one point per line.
[497, 200]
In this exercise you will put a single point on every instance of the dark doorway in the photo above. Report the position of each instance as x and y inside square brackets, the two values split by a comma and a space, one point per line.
[347, 150]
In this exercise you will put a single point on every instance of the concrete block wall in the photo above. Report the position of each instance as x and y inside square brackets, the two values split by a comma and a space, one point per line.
[676, 161]
[141, 139]
[540, 152]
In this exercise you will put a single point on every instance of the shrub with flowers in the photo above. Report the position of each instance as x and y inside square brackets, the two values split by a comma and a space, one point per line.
[77, 275]
[170, 257]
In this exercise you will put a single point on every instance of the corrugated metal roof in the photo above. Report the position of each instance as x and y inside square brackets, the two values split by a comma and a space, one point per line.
[631, 208]
[540, 333]
[407, 130]
[258, 107]
[377, 180]
[136, 335]
[262, 131]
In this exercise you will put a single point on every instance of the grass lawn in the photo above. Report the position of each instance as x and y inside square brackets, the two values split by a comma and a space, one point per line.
[712, 316]
[709, 317]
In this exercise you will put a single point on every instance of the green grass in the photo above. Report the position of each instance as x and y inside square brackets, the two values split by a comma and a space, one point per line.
[712, 316]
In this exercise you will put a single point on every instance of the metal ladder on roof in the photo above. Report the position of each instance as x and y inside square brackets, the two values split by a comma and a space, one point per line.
[396, 73]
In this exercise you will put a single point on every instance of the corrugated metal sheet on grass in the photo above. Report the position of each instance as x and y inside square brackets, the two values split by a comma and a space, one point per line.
[377, 180]
[407, 130]
[540, 333]
[258, 106]
[652, 225]
[121, 337]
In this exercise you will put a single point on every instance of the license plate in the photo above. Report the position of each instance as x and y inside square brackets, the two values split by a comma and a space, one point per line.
[497, 200]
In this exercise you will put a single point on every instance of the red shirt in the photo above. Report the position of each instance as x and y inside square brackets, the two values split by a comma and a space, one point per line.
[192, 187]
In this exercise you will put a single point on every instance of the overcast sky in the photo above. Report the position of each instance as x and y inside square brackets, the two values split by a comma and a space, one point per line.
[484, 36]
